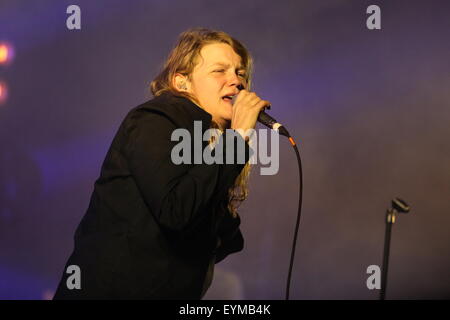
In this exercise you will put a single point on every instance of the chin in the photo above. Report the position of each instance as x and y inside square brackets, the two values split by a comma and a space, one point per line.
[228, 113]
[227, 118]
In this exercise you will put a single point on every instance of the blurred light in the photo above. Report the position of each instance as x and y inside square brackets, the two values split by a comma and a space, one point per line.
[48, 294]
[6, 53]
[3, 92]
[3, 53]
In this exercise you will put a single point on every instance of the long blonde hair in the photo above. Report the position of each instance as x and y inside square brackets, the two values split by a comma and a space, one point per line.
[182, 59]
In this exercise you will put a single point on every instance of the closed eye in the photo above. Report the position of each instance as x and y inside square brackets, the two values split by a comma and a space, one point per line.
[242, 75]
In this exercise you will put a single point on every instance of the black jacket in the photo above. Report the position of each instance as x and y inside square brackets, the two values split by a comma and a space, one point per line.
[153, 229]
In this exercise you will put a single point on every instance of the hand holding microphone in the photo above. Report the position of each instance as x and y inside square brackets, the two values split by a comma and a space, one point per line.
[249, 108]
[246, 108]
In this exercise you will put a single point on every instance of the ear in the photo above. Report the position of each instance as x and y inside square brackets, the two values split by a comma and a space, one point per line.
[181, 82]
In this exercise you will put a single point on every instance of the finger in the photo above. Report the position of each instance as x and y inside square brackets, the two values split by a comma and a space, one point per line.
[248, 101]
[241, 96]
[262, 104]
[254, 99]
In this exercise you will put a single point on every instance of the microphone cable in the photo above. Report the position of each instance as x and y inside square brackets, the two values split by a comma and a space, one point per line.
[270, 122]
[297, 224]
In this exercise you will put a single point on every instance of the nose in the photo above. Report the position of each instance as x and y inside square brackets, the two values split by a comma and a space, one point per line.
[235, 80]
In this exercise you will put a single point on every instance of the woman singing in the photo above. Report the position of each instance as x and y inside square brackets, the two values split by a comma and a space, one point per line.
[155, 229]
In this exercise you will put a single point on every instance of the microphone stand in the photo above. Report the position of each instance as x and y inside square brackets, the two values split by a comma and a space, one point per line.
[401, 206]
[390, 220]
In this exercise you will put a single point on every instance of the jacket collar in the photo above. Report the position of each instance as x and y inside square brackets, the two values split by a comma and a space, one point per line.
[196, 112]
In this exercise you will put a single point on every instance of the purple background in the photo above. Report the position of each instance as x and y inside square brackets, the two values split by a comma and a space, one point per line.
[370, 110]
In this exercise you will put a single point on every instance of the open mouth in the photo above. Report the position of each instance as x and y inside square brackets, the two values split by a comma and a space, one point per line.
[227, 98]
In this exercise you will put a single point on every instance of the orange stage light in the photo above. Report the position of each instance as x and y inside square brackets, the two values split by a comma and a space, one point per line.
[3, 53]
[3, 92]
[6, 53]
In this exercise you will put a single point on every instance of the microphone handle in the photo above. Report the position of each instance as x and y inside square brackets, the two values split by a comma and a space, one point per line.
[273, 124]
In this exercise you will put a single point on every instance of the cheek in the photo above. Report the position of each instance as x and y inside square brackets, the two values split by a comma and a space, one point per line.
[208, 88]
[212, 89]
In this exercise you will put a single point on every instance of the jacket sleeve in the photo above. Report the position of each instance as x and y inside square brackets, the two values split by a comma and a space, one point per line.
[175, 194]
[230, 237]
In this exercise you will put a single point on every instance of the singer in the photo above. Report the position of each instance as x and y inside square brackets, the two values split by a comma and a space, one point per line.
[154, 229]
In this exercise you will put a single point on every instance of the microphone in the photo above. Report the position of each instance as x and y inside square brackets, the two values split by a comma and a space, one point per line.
[268, 121]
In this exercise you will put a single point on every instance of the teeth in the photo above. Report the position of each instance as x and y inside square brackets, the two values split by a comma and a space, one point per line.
[232, 98]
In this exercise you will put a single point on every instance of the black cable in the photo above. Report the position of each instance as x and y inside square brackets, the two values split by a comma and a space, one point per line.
[300, 192]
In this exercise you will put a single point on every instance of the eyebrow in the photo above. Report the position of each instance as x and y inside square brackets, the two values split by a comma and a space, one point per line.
[226, 65]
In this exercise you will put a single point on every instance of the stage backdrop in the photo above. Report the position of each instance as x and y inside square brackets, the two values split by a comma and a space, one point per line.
[370, 110]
